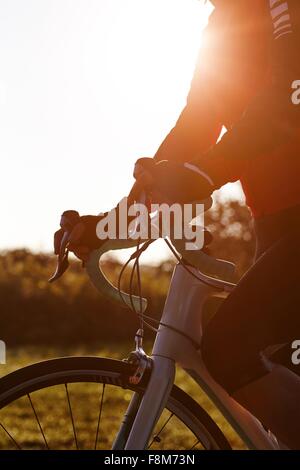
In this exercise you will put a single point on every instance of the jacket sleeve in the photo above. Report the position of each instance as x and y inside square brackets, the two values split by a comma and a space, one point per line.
[273, 117]
[198, 126]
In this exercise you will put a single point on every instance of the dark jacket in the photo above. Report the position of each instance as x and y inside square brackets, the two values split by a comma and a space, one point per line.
[248, 65]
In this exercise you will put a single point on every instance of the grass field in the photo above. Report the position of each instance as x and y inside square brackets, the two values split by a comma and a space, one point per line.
[51, 406]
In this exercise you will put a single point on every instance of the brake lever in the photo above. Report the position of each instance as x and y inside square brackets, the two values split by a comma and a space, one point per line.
[67, 222]
[61, 268]
[62, 259]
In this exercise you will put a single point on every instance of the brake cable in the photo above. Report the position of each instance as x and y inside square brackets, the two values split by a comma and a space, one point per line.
[136, 267]
[131, 258]
[140, 314]
[135, 256]
[185, 266]
[158, 322]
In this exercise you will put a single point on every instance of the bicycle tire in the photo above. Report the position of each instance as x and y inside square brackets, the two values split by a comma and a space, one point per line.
[107, 371]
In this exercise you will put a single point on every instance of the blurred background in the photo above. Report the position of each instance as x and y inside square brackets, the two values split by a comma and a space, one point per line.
[87, 87]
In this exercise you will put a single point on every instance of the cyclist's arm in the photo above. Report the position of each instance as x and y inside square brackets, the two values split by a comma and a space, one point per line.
[198, 126]
[271, 119]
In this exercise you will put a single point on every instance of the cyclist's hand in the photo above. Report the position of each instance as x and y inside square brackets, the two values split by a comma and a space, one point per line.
[83, 238]
[170, 182]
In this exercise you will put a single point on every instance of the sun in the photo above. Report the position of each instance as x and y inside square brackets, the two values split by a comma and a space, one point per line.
[155, 44]
[102, 83]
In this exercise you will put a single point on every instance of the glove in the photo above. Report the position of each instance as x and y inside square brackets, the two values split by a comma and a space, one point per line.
[173, 182]
[83, 238]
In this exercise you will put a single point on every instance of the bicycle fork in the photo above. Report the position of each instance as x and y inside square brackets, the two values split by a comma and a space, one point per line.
[143, 413]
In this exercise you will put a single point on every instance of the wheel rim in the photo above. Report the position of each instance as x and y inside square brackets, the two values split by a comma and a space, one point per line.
[46, 428]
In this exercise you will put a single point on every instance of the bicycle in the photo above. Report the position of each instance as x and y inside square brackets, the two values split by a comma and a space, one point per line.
[155, 400]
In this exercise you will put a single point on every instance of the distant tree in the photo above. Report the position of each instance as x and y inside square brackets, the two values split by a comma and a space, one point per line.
[71, 311]
[230, 223]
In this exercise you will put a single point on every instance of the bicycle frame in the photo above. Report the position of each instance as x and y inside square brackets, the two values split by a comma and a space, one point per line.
[185, 314]
[178, 341]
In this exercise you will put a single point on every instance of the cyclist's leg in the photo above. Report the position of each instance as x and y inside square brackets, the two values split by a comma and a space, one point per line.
[274, 400]
[269, 229]
[263, 310]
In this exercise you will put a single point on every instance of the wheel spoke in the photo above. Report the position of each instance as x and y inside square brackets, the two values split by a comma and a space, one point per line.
[156, 437]
[71, 415]
[99, 415]
[25, 423]
[38, 421]
[10, 436]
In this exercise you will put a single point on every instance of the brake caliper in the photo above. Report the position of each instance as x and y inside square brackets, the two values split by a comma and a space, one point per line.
[138, 359]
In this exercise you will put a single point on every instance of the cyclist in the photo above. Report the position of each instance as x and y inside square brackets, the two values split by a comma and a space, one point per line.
[245, 80]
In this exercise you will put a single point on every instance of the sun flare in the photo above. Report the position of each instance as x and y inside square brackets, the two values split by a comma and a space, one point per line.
[86, 88]
[158, 50]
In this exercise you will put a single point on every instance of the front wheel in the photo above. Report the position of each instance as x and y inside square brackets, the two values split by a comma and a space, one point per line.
[79, 403]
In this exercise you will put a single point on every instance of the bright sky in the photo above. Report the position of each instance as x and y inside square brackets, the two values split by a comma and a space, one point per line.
[86, 87]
